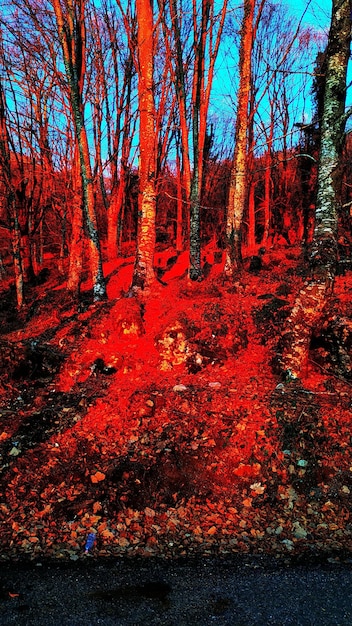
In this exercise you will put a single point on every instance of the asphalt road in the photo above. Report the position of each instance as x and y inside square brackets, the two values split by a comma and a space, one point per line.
[233, 591]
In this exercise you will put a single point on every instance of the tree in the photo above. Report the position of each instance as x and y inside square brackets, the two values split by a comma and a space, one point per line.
[70, 19]
[316, 292]
[238, 182]
[143, 275]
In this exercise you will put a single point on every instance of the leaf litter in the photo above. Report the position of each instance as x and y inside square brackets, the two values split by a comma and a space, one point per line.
[162, 427]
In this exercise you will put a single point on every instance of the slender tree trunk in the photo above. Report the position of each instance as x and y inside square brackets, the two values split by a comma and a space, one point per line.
[238, 182]
[16, 249]
[179, 218]
[143, 275]
[26, 256]
[114, 216]
[251, 242]
[267, 195]
[198, 135]
[180, 86]
[63, 242]
[116, 208]
[314, 296]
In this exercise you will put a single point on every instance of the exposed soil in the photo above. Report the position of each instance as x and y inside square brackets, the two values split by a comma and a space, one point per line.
[162, 424]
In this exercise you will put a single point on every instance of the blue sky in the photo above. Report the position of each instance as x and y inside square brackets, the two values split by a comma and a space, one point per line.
[317, 12]
[315, 15]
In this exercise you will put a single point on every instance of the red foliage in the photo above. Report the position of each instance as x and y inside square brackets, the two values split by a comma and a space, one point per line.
[163, 427]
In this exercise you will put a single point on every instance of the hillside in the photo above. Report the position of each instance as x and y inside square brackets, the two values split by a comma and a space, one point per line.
[163, 425]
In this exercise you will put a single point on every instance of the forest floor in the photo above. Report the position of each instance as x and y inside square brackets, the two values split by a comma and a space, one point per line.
[162, 425]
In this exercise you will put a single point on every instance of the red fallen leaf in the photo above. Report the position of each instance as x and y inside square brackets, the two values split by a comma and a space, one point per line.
[247, 471]
[44, 512]
[97, 477]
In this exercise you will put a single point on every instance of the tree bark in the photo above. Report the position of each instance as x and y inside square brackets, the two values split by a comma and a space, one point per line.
[238, 182]
[77, 233]
[143, 275]
[314, 296]
[71, 30]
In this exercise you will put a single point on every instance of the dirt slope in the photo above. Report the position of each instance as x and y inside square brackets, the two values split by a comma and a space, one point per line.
[162, 425]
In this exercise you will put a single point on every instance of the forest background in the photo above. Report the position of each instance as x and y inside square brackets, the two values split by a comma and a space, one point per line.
[72, 88]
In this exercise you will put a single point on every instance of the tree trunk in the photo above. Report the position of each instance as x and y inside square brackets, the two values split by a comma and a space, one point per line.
[180, 86]
[179, 217]
[95, 258]
[16, 250]
[313, 298]
[251, 239]
[267, 195]
[113, 218]
[71, 29]
[238, 182]
[143, 275]
[77, 234]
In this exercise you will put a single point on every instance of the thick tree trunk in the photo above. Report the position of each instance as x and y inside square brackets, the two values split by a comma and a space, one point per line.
[238, 182]
[311, 302]
[143, 275]
[71, 29]
[77, 235]
[95, 258]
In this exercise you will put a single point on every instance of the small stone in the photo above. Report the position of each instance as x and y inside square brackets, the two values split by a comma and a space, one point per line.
[302, 463]
[288, 543]
[180, 388]
[299, 532]
[14, 451]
